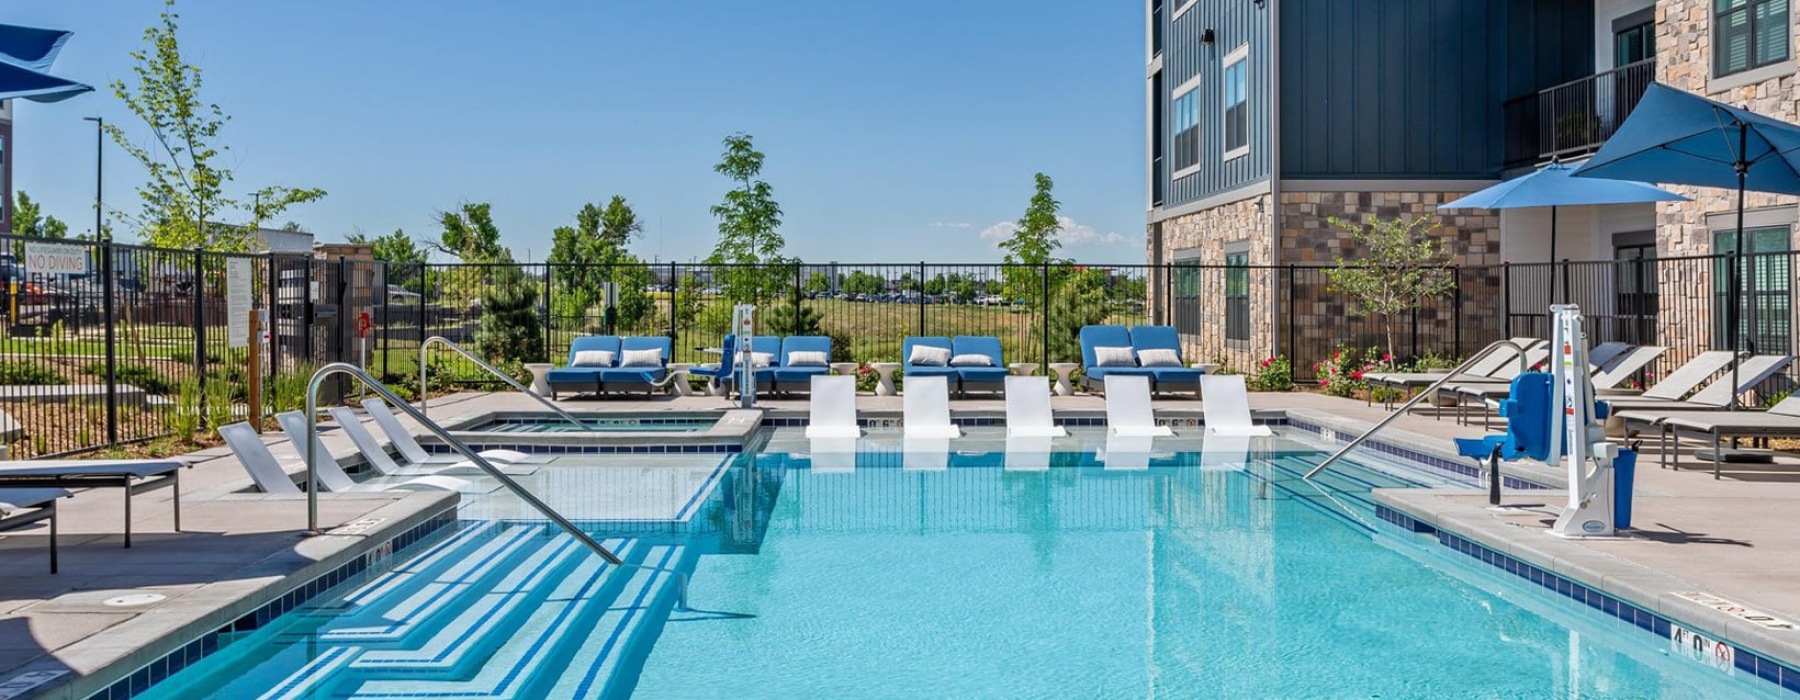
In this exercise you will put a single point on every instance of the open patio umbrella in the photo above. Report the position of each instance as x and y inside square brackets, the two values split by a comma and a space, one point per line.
[1675, 137]
[26, 54]
[17, 82]
[1553, 187]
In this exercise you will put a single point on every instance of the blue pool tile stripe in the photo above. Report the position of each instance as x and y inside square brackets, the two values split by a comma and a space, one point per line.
[1779, 674]
[439, 448]
[191, 653]
[1462, 469]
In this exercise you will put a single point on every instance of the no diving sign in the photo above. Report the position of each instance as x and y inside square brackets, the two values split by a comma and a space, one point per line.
[55, 259]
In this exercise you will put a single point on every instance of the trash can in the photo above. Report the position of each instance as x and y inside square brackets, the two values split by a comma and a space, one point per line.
[1624, 473]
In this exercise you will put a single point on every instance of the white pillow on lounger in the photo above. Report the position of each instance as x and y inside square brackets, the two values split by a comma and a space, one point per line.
[1114, 357]
[649, 357]
[1158, 357]
[592, 358]
[808, 358]
[928, 356]
[971, 360]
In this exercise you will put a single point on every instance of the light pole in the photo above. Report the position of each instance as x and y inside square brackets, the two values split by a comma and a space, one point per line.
[109, 287]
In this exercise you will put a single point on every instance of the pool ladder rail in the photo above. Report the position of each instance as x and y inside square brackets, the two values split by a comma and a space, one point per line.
[425, 367]
[458, 446]
[1429, 391]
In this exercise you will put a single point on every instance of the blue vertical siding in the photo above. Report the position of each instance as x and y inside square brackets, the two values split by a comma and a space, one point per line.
[1401, 89]
[1234, 23]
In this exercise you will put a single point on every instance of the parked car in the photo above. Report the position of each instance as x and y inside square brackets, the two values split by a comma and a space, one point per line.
[990, 300]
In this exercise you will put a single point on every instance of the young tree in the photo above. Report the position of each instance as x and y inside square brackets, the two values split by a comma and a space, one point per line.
[1033, 244]
[185, 197]
[817, 282]
[469, 233]
[29, 220]
[511, 331]
[1399, 264]
[749, 247]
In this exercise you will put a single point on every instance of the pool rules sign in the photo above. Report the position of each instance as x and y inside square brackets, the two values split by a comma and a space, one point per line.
[237, 302]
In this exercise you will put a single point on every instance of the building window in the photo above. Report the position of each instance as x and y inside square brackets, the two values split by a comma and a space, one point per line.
[1237, 296]
[1185, 293]
[1237, 103]
[1634, 43]
[1186, 154]
[1765, 315]
[1748, 34]
[1635, 279]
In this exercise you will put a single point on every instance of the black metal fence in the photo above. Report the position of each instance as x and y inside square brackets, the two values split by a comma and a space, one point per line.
[139, 343]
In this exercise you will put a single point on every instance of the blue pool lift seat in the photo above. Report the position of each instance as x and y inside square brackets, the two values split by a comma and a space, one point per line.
[716, 373]
[979, 378]
[1530, 422]
[789, 377]
[724, 374]
[582, 379]
[1181, 378]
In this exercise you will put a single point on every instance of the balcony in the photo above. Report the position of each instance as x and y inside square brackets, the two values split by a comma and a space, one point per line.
[1572, 119]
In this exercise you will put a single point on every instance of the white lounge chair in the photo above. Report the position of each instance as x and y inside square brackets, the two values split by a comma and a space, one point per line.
[1028, 411]
[927, 409]
[833, 408]
[264, 469]
[332, 476]
[833, 455]
[1226, 405]
[1027, 453]
[1128, 410]
[379, 460]
[925, 453]
[1127, 452]
[415, 453]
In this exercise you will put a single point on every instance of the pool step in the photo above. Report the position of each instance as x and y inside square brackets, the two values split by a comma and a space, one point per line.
[495, 611]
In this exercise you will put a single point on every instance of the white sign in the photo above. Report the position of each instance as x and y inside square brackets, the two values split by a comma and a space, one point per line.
[237, 302]
[1717, 654]
[55, 259]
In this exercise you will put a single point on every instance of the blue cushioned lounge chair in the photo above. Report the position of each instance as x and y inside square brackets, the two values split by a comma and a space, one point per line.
[633, 378]
[790, 377]
[975, 378]
[582, 379]
[912, 370]
[1094, 337]
[1182, 378]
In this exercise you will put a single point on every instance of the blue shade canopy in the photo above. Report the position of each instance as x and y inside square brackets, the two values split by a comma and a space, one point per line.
[1681, 138]
[30, 47]
[1553, 187]
[19, 82]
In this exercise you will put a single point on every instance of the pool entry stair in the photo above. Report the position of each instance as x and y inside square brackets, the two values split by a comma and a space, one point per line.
[536, 616]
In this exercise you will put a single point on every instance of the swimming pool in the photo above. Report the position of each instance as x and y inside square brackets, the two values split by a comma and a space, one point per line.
[554, 424]
[969, 580]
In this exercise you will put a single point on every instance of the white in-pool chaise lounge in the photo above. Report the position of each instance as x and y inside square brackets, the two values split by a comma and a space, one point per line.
[415, 453]
[1028, 411]
[1128, 409]
[333, 478]
[381, 462]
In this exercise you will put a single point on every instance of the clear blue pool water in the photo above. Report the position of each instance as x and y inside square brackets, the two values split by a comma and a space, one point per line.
[968, 582]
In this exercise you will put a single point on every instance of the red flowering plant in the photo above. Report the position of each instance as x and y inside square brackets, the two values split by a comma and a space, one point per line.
[1344, 372]
[1271, 374]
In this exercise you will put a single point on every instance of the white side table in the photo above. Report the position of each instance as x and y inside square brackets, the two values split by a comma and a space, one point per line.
[1023, 369]
[1208, 367]
[539, 370]
[886, 372]
[844, 368]
[1062, 370]
[678, 376]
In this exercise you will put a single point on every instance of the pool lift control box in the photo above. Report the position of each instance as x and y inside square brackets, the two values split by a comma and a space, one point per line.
[743, 324]
[1551, 417]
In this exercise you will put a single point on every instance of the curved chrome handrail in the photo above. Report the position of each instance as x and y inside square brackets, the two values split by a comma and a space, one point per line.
[1335, 456]
[424, 367]
[312, 476]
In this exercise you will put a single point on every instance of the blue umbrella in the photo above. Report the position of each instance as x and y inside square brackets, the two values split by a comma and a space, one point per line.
[1681, 138]
[1553, 187]
[31, 47]
[20, 82]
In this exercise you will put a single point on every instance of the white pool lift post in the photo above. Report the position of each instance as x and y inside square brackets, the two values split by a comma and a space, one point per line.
[1581, 442]
[743, 323]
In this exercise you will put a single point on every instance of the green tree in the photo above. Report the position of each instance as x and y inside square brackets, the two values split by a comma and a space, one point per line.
[1033, 244]
[859, 282]
[1400, 263]
[688, 301]
[184, 194]
[29, 220]
[749, 249]
[511, 331]
[405, 257]
[469, 234]
[818, 282]
[592, 253]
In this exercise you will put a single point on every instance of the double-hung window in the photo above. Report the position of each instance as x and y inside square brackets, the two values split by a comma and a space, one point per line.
[1186, 144]
[1237, 296]
[1748, 34]
[1237, 102]
[1765, 307]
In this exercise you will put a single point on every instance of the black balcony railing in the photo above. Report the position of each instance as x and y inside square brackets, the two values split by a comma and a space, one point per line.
[1574, 118]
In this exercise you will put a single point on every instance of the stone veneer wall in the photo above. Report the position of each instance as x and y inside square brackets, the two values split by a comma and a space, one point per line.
[1210, 231]
[1322, 320]
[1684, 60]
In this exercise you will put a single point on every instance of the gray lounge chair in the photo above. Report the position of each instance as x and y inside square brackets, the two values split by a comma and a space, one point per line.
[23, 506]
[380, 461]
[1622, 365]
[1489, 367]
[415, 453]
[1716, 396]
[1781, 420]
[134, 476]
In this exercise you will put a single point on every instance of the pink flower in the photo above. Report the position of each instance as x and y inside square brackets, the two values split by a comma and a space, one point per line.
[1357, 375]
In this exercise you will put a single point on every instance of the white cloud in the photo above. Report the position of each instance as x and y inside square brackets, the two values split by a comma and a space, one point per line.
[951, 224]
[1072, 234]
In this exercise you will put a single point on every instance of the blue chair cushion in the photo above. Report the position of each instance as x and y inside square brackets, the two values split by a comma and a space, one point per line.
[1102, 337]
[799, 374]
[1173, 374]
[571, 375]
[982, 374]
[1101, 372]
[632, 375]
[927, 371]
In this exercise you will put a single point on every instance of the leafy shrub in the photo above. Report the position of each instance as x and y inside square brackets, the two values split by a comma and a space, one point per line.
[1272, 374]
[1342, 373]
[27, 373]
[183, 418]
[136, 374]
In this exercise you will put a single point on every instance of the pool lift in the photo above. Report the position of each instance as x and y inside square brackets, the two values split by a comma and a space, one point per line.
[1552, 416]
[743, 322]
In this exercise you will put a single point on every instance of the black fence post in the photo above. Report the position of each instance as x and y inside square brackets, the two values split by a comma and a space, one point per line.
[1292, 285]
[387, 317]
[921, 293]
[799, 289]
[1044, 314]
[110, 290]
[1415, 334]
[424, 287]
[1506, 299]
[343, 311]
[1456, 312]
[273, 283]
[673, 286]
[549, 334]
[307, 282]
[199, 292]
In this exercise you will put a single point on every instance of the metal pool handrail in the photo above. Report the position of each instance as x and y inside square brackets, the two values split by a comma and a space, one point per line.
[424, 367]
[312, 476]
[1335, 456]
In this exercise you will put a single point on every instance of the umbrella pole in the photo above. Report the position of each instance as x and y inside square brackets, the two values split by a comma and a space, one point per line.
[1553, 271]
[1737, 273]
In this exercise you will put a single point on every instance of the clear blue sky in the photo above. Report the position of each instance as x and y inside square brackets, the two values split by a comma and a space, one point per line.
[894, 131]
